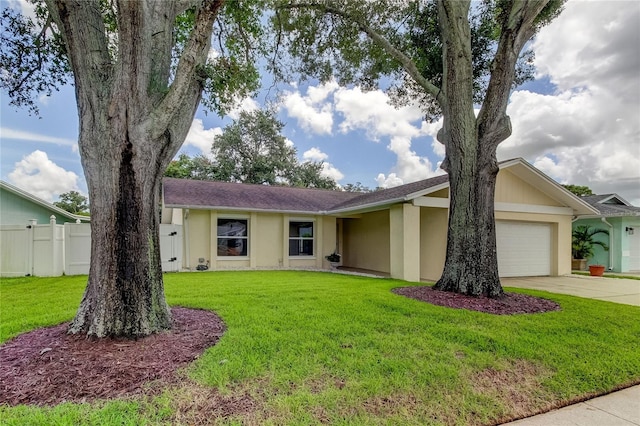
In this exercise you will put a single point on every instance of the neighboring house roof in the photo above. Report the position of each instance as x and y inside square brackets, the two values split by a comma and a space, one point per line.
[185, 193]
[611, 205]
[39, 201]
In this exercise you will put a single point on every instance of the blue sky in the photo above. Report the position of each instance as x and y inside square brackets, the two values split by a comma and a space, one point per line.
[579, 122]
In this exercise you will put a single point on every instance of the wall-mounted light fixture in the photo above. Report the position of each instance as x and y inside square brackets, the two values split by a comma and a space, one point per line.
[629, 230]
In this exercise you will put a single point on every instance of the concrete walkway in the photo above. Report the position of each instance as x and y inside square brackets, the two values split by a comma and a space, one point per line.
[620, 408]
[619, 290]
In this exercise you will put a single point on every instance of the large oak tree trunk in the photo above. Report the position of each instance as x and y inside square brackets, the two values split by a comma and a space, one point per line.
[471, 263]
[135, 112]
[124, 294]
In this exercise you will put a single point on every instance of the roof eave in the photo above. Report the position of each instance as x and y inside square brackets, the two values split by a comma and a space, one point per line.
[244, 209]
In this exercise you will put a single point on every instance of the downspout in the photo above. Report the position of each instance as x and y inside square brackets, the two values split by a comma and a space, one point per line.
[604, 220]
[187, 253]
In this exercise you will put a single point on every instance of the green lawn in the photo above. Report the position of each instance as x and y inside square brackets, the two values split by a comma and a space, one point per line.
[311, 348]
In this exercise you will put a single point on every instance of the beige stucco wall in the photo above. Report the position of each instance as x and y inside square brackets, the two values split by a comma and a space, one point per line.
[404, 226]
[433, 241]
[268, 242]
[512, 189]
[366, 241]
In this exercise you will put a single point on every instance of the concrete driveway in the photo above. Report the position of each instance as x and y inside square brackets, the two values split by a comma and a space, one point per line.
[618, 290]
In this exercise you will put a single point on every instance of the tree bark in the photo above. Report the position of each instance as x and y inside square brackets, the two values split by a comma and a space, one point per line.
[133, 120]
[471, 263]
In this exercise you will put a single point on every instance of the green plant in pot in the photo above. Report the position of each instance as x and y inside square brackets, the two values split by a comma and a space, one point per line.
[333, 258]
[583, 243]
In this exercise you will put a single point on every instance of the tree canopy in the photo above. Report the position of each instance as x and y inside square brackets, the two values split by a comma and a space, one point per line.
[252, 149]
[73, 202]
[579, 190]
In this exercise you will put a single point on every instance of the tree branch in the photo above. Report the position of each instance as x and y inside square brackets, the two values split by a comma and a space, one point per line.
[407, 63]
[493, 123]
[186, 89]
[82, 29]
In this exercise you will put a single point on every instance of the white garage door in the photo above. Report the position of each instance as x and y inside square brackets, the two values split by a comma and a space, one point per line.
[524, 249]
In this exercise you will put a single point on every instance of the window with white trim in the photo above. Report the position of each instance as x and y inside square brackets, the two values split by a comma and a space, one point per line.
[301, 236]
[232, 237]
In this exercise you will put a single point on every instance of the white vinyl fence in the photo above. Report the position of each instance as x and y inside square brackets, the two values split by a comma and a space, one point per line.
[51, 250]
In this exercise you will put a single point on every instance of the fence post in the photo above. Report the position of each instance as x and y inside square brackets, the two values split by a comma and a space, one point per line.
[30, 237]
[54, 254]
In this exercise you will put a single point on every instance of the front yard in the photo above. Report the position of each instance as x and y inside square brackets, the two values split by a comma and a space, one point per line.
[311, 348]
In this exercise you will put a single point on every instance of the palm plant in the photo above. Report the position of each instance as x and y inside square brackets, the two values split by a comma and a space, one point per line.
[583, 241]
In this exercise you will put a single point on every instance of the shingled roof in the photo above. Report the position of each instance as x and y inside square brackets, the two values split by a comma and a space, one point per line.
[186, 193]
[611, 205]
[391, 195]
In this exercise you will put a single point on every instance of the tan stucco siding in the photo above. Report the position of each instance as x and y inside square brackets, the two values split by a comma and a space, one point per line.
[433, 239]
[443, 193]
[329, 240]
[512, 189]
[366, 241]
[268, 240]
[433, 242]
[405, 242]
[198, 237]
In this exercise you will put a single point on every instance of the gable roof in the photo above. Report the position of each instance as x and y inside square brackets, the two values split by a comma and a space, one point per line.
[611, 205]
[39, 201]
[393, 195]
[185, 193]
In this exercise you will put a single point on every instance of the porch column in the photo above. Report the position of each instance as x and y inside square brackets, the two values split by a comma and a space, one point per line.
[404, 226]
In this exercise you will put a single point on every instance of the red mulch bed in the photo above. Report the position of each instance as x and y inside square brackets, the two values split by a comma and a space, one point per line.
[511, 303]
[47, 366]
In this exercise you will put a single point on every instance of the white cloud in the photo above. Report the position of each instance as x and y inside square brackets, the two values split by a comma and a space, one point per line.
[388, 181]
[587, 133]
[26, 8]
[328, 169]
[313, 112]
[331, 171]
[200, 137]
[314, 154]
[372, 112]
[38, 175]
[247, 104]
[7, 133]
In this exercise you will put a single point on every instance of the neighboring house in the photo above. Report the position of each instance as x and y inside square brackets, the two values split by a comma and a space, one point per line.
[33, 233]
[622, 220]
[400, 231]
[18, 207]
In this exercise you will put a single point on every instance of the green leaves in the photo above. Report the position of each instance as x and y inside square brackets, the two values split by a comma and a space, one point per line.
[253, 150]
[583, 241]
[32, 58]
[73, 202]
